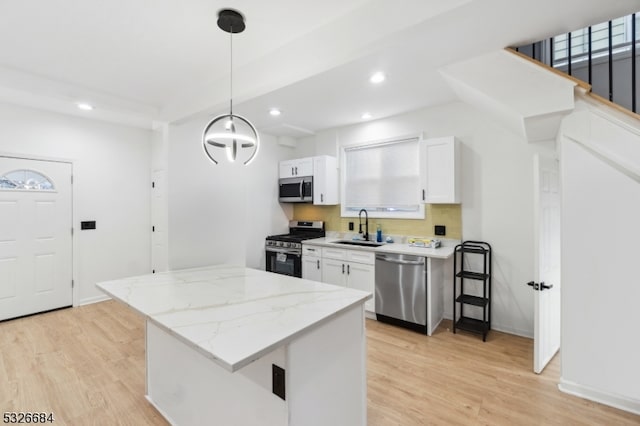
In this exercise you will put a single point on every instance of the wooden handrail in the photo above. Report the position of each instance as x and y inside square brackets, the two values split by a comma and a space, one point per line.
[582, 84]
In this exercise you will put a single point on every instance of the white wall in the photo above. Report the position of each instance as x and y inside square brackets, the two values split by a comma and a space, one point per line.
[600, 284]
[222, 213]
[497, 200]
[111, 186]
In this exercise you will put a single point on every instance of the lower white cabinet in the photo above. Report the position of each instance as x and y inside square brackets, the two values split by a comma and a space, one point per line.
[311, 263]
[362, 277]
[350, 268]
[334, 272]
[312, 268]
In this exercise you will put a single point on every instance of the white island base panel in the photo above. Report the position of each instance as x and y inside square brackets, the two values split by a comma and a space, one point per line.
[325, 379]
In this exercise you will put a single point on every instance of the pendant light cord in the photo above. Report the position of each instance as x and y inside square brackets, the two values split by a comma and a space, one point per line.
[231, 72]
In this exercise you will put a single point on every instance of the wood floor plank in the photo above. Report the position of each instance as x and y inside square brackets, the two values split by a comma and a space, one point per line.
[86, 365]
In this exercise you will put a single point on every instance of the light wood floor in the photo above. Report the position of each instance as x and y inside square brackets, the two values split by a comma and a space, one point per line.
[86, 365]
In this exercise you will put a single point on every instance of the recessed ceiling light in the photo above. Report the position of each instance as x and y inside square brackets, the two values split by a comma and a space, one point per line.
[377, 77]
[366, 116]
[275, 112]
[84, 106]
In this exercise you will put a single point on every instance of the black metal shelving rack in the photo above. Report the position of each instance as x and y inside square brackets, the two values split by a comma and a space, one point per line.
[465, 296]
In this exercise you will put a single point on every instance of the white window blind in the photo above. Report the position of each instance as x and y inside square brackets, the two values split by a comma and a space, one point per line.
[383, 177]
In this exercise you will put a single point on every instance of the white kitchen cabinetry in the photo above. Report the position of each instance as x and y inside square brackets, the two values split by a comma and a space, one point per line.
[312, 263]
[350, 268]
[440, 170]
[323, 169]
[325, 180]
[297, 167]
[332, 272]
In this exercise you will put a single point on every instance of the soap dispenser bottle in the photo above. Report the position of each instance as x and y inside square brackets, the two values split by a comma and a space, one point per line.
[379, 234]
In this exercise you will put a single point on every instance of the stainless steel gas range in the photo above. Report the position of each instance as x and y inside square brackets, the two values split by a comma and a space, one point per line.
[284, 252]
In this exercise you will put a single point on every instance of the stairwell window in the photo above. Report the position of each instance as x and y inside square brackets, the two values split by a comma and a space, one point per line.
[382, 177]
[621, 39]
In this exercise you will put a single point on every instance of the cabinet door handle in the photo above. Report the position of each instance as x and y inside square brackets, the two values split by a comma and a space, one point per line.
[318, 263]
[296, 171]
[343, 268]
[322, 198]
[348, 271]
[424, 195]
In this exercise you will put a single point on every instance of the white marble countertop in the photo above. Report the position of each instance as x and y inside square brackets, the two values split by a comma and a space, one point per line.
[443, 252]
[231, 314]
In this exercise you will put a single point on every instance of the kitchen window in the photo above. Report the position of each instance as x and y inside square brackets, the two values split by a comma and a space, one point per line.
[383, 178]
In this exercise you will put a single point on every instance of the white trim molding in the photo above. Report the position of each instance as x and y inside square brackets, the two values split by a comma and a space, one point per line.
[617, 401]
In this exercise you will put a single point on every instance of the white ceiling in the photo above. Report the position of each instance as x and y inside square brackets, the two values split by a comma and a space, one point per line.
[140, 61]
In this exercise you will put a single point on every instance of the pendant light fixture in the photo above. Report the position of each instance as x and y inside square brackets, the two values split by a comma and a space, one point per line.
[231, 132]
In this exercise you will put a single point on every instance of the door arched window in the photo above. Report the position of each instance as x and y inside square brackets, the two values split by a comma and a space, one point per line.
[26, 180]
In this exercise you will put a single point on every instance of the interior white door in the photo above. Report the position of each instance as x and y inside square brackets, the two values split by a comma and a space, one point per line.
[547, 281]
[35, 236]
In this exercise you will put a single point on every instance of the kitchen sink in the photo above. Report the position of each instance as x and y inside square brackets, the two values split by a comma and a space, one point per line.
[359, 243]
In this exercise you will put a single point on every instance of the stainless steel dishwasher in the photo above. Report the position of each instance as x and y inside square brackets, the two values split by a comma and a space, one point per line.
[401, 290]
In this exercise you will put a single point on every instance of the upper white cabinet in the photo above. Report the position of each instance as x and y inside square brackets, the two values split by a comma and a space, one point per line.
[440, 170]
[297, 167]
[325, 180]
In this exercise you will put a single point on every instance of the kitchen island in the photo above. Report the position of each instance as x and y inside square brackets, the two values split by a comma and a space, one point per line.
[231, 345]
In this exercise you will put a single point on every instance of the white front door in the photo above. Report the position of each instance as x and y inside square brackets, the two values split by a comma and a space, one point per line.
[35, 236]
[546, 286]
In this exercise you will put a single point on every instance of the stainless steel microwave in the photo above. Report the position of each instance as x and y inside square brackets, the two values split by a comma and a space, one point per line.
[296, 190]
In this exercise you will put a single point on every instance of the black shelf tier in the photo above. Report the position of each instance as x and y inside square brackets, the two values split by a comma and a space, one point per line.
[473, 325]
[472, 300]
[472, 275]
[471, 249]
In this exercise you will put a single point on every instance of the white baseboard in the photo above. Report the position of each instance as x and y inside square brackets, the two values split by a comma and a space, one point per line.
[617, 401]
[504, 329]
[95, 299]
[511, 330]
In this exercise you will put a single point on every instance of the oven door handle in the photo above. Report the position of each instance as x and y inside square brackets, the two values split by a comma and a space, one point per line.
[284, 250]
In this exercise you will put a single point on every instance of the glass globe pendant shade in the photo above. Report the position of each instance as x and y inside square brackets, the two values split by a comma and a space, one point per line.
[234, 135]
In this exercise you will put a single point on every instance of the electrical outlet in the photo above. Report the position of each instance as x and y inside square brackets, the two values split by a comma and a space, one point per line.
[278, 381]
[350, 226]
[440, 230]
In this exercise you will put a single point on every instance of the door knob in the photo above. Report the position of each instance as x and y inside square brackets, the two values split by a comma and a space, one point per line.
[541, 286]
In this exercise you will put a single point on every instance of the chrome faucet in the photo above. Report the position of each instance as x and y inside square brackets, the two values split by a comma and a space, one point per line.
[366, 224]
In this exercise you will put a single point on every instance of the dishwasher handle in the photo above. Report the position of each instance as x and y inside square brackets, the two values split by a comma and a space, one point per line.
[398, 261]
